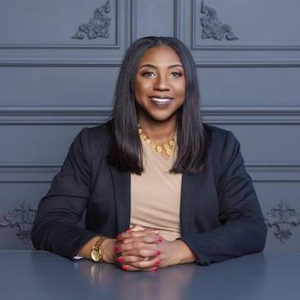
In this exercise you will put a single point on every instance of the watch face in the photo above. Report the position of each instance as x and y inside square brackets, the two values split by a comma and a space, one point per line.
[95, 255]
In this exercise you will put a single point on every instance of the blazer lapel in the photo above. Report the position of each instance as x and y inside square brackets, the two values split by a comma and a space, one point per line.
[191, 189]
[121, 183]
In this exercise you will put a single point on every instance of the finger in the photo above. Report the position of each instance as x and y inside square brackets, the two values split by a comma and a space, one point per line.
[141, 228]
[144, 264]
[142, 253]
[135, 269]
[129, 234]
[149, 239]
[137, 228]
[131, 259]
[138, 247]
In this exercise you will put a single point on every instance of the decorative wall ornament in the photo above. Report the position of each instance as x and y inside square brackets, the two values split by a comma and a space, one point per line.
[97, 26]
[212, 27]
[283, 218]
[21, 218]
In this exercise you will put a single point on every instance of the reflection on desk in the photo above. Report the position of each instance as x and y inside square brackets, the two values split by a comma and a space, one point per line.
[42, 275]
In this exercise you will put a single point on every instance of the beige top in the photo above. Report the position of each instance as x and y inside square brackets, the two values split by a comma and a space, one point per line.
[155, 195]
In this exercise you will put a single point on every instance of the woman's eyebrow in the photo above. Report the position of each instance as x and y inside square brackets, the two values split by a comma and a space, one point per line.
[154, 67]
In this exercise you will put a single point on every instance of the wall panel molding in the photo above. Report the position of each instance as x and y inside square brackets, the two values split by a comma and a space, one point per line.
[258, 114]
[74, 53]
[54, 115]
[73, 45]
[196, 4]
[38, 172]
[255, 63]
[178, 19]
[25, 173]
[110, 62]
[217, 114]
[235, 54]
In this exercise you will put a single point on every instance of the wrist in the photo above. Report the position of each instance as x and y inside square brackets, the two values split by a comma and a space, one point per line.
[182, 254]
[108, 247]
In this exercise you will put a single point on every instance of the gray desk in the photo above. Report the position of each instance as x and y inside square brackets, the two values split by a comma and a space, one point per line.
[43, 276]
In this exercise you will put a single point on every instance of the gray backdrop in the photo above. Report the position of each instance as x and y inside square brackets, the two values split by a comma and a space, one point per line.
[59, 60]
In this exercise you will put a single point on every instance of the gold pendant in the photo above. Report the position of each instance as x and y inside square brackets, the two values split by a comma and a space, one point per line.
[159, 149]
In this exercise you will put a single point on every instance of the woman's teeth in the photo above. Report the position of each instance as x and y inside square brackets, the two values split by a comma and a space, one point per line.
[161, 101]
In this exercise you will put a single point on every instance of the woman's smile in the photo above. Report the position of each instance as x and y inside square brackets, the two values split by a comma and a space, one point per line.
[161, 101]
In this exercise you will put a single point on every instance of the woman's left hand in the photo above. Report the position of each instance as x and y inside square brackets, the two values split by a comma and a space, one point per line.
[145, 250]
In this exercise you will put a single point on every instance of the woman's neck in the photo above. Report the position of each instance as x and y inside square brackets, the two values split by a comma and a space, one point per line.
[158, 132]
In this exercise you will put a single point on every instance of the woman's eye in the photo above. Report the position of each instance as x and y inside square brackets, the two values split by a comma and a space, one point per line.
[176, 74]
[148, 74]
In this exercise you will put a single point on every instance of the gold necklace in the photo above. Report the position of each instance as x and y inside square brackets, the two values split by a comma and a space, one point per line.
[166, 148]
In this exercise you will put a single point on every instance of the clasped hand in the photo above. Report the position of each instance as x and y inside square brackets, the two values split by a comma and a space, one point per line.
[141, 249]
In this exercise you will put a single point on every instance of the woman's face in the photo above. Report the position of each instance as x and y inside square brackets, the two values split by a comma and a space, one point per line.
[160, 84]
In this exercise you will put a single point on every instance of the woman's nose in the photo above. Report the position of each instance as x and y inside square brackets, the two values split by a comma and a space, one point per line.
[161, 83]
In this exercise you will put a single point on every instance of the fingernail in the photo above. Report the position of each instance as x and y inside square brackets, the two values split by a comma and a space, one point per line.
[157, 262]
[128, 230]
[119, 237]
[154, 269]
[125, 268]
[117, 249]
[120, 259]
[160, 240]
[158, 252]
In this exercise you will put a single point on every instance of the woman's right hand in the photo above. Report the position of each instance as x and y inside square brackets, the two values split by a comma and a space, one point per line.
[148, 235]
[109, 246]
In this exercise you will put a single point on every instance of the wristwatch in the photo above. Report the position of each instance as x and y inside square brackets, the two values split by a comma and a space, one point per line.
[97, 253]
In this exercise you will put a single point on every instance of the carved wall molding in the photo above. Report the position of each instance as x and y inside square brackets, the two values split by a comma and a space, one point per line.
[283, 218]
[97, 26]
[20, 218]
[212, 27]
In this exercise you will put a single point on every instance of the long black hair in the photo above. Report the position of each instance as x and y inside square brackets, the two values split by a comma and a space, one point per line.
[192, 137]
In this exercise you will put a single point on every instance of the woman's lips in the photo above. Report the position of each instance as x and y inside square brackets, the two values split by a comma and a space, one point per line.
[161, 101]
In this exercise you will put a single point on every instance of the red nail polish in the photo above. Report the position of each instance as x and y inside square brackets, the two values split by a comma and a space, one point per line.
[160, 240]
[128, 230]
[158, 252]
[119, 237]
[117, 249]
[120, 259]
[125, 268]
[157, 262]
[154, 269]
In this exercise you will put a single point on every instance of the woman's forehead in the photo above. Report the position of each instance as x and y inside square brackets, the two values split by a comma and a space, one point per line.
[162, 55]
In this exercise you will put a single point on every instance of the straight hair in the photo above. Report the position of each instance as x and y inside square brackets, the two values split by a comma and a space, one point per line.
[192, 135]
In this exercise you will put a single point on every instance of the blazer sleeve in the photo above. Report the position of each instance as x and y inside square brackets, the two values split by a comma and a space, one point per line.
[56, 227]
[242, 229]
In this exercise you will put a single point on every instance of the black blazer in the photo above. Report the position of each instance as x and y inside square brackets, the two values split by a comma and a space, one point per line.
[220, 216]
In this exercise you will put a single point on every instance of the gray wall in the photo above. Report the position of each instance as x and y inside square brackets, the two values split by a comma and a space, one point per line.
[52, 85]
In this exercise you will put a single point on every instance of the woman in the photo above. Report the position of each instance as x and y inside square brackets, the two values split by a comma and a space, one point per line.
[158, 186]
